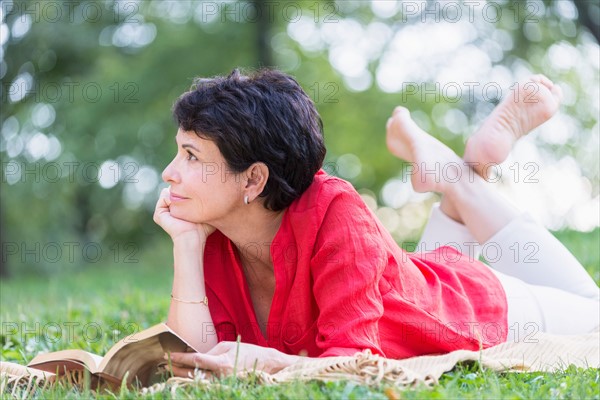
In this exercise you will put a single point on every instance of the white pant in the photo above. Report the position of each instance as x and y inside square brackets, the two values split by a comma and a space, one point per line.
[547, 289]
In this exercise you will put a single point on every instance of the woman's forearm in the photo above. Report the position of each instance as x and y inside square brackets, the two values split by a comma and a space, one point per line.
[192, 321]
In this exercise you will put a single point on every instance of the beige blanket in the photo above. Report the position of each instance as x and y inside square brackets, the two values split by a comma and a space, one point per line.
[543, 353]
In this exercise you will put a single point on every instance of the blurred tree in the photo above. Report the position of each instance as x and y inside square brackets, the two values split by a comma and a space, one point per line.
[263, 36]
[4, 271]
[588, 14]
[87, 87]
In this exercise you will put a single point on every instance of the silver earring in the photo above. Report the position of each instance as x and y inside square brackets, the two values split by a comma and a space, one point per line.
[246, 199]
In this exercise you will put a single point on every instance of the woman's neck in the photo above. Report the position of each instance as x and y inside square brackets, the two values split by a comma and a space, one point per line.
[252, 234]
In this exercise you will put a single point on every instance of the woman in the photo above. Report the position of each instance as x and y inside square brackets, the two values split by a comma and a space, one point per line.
[267, 246]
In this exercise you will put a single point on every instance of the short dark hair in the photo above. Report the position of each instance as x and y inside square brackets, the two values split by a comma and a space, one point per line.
[264, 116]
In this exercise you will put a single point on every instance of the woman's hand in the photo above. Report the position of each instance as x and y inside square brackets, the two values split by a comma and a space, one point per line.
[220, 360]
[175, 227]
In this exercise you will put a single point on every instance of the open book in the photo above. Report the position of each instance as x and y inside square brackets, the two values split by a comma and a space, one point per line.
[141, 355]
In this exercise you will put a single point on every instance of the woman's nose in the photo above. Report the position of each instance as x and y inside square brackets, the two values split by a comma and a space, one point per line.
[170, 173]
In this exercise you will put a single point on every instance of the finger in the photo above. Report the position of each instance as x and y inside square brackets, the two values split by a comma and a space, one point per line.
[162, 205]
[165, 197]
[180, 365]
[162, 200]
[183, 359]
[182, 372]
[200, 360]
[191, 373]
[217, 364]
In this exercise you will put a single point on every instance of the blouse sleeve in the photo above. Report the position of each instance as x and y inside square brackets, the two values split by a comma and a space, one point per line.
[347, 265]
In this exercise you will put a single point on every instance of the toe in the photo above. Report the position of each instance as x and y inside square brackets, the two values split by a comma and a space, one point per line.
[400, 111]
[542, 79]
[557, 92]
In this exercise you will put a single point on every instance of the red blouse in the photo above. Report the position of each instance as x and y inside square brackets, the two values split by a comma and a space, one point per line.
[343, 285]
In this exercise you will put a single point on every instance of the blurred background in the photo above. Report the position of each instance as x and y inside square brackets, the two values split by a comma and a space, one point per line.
[87, 89]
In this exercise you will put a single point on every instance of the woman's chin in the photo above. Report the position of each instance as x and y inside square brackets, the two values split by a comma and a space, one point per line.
[180, 214]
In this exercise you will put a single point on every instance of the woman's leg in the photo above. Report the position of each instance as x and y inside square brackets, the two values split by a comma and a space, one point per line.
[534, 308]
[519, 244]
[522, 249]
[533, 103]
[488, 217]
[442, 229]
[536, 294]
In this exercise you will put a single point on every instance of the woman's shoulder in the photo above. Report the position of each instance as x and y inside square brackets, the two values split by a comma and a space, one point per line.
[322, 191]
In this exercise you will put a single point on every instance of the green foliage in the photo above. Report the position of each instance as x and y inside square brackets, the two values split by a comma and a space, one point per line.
[94, 308]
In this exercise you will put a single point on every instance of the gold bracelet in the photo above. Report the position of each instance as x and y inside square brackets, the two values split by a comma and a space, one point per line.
[203, 301]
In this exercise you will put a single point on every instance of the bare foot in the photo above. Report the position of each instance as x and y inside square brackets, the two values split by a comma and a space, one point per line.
[434, 165]
[533, 103]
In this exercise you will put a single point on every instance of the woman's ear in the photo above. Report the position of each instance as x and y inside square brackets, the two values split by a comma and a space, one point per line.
[256, 179]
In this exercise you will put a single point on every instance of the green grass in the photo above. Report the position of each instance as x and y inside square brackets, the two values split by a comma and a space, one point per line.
[93, 307]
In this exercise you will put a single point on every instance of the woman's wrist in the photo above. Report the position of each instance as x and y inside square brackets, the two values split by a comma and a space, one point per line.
[189, 240]
[188, 251]
[282, 360]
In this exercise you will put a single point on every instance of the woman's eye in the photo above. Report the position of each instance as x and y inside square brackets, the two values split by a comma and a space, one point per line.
[191, 157]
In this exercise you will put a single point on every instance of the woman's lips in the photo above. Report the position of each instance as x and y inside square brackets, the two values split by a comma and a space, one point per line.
[174, 197]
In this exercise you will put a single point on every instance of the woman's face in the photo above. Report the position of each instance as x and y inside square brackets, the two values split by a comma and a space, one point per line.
[203, 189]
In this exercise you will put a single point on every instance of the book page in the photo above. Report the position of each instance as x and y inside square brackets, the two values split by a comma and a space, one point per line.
[141, 354]
[66, 360]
